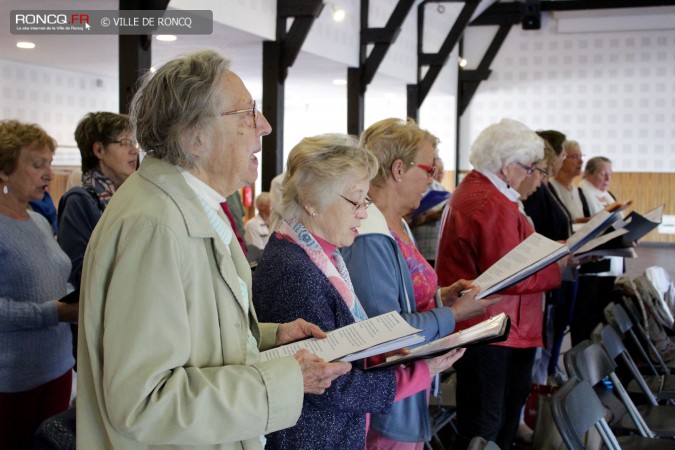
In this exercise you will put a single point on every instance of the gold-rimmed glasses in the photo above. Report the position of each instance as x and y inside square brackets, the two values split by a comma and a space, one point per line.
[253, 110]
[365, 204]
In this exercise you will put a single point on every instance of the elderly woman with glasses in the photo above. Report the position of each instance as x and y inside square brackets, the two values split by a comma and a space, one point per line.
[302, 274]
[169, 340]
[484, 224]
[390, 274]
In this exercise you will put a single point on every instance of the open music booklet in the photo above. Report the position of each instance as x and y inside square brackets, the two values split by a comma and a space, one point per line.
[619, 242]
[494, 329]
[380, 334]
[537, 252]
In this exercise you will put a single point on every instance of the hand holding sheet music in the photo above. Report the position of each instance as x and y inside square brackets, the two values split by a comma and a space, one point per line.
[494, 329]
[356, 341]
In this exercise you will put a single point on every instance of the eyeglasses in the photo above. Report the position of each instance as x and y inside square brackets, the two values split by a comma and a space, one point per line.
[125, 142]
[253, 111]
[543, 173]
[364, 204]
[428, 169]
[530, 170]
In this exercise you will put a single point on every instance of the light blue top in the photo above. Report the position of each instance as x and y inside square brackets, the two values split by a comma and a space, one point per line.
[383, 283]
[34, 346]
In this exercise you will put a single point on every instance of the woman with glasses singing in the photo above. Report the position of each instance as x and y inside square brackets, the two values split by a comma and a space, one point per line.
[484, 224]
[390, 274]
[302, 275]
[109, 155]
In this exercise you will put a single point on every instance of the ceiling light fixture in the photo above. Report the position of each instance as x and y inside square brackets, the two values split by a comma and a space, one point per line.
[339, 14]
[462, 62]
[25, 45]
[166, 37]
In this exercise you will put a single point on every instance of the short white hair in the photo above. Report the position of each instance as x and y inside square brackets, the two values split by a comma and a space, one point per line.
[504, 143]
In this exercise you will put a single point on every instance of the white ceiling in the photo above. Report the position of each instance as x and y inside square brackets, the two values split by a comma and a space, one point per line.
[311, 76]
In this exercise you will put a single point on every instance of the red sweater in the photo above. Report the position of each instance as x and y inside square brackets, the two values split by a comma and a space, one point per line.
[483, 226]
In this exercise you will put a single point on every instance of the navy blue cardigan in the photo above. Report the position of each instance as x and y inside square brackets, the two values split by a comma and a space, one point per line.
[287, 285]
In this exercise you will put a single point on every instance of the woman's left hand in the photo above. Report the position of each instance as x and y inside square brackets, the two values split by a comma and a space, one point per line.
[450, 294]
[296, 330]
[440, 363]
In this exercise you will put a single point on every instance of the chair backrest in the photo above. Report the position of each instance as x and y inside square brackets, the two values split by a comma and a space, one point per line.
[589, 362]
[618, 318]
[478, 443]
[576, 408]
[606, 336]
[611, 342]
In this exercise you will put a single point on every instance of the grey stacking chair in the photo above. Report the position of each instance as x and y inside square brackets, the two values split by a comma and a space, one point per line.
[576, 409]
[617, 317]
[589, 362]
[654, 387]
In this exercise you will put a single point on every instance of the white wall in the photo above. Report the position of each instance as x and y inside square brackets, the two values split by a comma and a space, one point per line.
[614, 92]
[54, 99]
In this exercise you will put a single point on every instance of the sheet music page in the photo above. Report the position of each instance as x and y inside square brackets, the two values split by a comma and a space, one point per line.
[589, 228]
[350, 339]
[590, 245]
[655, 215]
[532, 250]
[487, 328]
[493, 327]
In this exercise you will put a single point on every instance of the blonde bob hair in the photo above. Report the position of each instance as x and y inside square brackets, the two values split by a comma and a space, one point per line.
[504, 143]
[321, 167]
[392, 139]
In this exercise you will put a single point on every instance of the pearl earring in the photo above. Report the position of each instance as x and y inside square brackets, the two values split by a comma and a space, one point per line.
[313, 213]
[5, 190]
[399, 180]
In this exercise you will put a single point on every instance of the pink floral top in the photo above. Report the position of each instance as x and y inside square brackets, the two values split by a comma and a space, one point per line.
[424, 278]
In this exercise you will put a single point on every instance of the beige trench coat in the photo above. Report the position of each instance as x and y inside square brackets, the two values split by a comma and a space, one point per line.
[163, 332]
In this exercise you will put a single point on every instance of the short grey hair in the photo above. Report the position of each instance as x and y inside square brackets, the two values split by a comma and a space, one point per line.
[320, 167]
[592, 164]
[503, 143]
[176, 103]
[569, 145]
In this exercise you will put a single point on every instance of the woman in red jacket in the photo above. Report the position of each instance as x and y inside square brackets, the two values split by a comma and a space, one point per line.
[483, 225]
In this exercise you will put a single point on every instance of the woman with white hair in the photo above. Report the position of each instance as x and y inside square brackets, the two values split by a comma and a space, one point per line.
[484, 224]
[302, 274]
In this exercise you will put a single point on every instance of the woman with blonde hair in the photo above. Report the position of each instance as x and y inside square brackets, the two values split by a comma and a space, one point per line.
[390, 274]
[302, 274]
